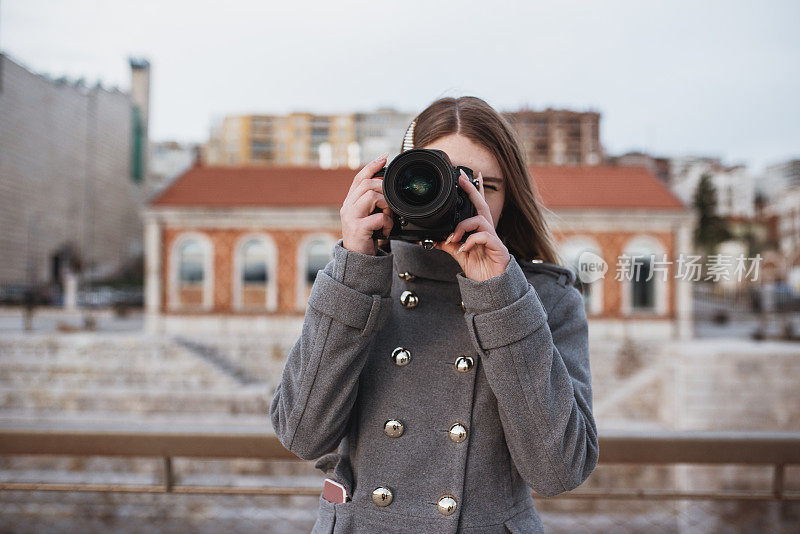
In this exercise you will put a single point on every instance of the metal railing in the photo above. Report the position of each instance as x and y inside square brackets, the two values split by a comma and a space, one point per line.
[777, 450]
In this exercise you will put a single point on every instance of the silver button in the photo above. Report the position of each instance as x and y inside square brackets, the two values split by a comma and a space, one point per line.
[463, 308]
[409, 299]
[407, 276]
[382, 496]
[458, 433]
[393, 428]
[464, 364]
[401, 356]
[446, 505]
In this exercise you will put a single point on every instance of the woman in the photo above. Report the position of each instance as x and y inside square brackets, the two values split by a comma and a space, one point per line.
[451, 380]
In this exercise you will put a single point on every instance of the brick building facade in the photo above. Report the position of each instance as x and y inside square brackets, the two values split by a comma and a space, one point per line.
[236, 249]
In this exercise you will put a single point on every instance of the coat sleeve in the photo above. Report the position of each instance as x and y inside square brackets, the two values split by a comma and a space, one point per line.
[349, 301]
[538, 368]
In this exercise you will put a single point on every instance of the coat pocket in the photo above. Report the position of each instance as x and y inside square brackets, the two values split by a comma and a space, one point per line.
[326, 518]
[525, 522]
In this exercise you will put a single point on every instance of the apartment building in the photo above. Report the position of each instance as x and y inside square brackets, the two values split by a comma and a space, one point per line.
[306, 139]
[558, 136]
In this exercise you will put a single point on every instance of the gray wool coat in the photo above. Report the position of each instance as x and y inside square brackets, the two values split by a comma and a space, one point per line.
[491, 395]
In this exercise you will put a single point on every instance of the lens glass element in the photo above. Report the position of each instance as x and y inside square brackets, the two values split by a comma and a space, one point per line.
[418, 184]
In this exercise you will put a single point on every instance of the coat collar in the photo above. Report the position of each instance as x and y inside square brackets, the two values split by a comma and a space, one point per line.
[435, 264]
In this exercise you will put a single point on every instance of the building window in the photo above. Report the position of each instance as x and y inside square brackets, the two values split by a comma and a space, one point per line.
[318, 257]
[643, 285]
[582, 255]
[191, 280]
[191, 263]
[254, 284]
[255, 263]
[315, 252]
[645, 290]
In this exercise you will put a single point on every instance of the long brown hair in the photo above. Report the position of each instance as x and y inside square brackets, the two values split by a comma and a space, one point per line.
[521, 227]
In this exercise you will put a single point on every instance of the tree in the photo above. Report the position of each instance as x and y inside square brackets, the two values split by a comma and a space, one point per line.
[711, 229]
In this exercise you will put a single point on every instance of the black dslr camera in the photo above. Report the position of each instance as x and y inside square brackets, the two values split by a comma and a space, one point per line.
[421, 187]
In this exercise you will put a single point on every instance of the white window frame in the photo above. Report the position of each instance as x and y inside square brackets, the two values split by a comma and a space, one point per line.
[645, 245]
[208, 271]
[583, 243]
[302, 262]
[271, 302]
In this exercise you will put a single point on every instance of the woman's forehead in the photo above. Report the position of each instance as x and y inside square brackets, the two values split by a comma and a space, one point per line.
[463, 151]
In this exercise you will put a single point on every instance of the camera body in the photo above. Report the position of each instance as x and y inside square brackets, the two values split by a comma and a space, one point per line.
[427, 203]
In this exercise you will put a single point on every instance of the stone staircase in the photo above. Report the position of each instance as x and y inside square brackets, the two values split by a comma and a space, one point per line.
[129, 381]
[119, 376]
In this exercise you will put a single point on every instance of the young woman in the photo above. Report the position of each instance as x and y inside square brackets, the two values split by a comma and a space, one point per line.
[452, 380]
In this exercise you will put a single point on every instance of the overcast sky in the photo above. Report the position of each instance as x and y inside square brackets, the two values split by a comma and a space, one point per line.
[671, 78]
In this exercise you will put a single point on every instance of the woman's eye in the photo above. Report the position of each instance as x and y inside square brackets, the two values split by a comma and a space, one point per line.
[489, 187]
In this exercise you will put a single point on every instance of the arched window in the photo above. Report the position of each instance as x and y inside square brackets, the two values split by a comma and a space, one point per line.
[644, 289]
[191, 280]
[315, 252]
[643, 296]
[255, 262]
[583, 256]
[254, 283]
[191, 263]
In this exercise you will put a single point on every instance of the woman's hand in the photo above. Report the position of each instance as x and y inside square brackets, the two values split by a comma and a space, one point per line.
[483, 255]
[358, 221]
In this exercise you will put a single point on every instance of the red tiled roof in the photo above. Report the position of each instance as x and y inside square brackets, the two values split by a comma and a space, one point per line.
[603, 187]
[559, 187]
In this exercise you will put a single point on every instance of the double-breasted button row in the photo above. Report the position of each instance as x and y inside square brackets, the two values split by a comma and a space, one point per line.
[401, 357]
[446, 505]
[393, 428]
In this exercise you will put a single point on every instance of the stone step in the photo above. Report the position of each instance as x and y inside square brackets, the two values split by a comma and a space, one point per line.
[168, 381]
[136, 401]
[91, 420]
[16, 373]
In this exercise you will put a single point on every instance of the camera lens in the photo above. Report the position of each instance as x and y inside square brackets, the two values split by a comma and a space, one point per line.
[418, 184]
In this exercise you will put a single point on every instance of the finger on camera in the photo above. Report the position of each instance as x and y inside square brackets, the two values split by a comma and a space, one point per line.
[368, 184]
[367, 203]
[388, 224]
[475, 196]
[479, 238]
[376, 221]
[478, 222]
[368, 171]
